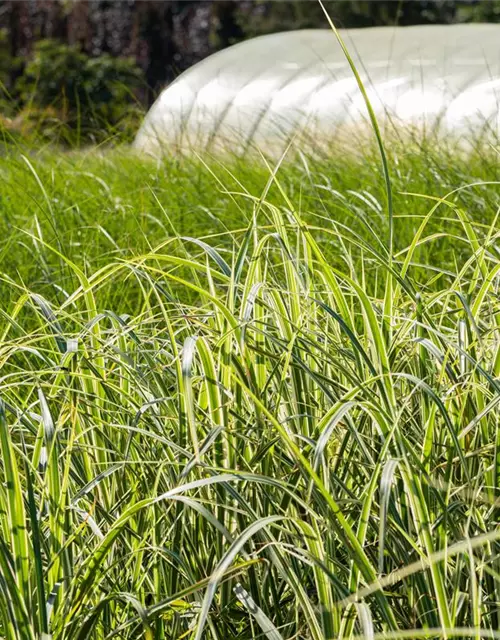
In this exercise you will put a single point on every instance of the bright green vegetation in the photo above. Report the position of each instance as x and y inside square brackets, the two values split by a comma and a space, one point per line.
[229, 411]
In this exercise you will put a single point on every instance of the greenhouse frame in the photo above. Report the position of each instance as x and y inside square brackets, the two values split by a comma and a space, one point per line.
[272, 90]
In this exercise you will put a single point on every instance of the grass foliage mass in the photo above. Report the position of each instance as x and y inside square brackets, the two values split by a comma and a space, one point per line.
[229, 409]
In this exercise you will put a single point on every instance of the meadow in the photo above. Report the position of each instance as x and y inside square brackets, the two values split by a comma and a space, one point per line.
[249, 400]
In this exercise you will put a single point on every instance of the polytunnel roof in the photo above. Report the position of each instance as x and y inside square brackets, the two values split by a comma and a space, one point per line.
[266, 90]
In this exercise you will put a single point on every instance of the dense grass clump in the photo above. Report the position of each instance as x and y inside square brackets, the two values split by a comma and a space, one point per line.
[228, 410]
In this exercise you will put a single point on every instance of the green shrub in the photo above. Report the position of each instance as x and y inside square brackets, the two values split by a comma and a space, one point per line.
[474, 11]
[90, 95]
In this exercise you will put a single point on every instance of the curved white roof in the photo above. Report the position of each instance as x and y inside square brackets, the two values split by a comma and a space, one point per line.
[265, 90]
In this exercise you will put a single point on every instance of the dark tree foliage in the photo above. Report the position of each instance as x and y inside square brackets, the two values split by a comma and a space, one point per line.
[228, 29]
[167, 36]
[398, 13]
[268, 16]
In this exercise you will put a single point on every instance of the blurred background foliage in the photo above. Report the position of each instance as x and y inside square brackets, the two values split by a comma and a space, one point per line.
[80, 71]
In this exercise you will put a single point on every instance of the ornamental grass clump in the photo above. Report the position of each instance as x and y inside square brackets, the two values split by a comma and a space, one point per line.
[284, 429]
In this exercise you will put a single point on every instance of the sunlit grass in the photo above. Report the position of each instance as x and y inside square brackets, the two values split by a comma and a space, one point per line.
[211, 425]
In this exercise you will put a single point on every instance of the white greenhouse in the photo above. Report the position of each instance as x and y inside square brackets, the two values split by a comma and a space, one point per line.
[264, 92]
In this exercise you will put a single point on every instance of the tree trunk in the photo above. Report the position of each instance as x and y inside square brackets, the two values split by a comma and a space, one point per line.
[18, 32]
[157, 32]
